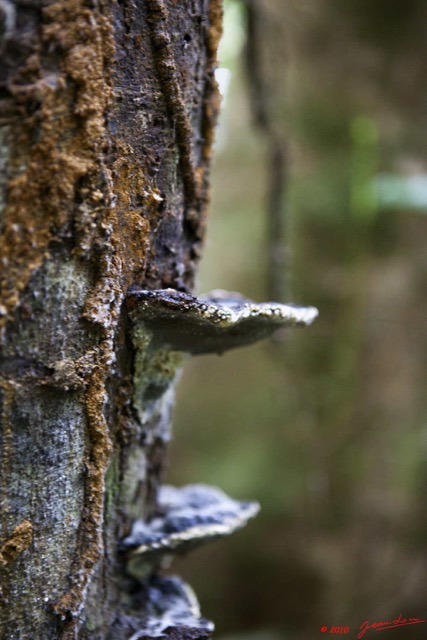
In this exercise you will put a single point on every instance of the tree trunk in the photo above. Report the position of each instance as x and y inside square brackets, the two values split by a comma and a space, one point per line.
[107, 112]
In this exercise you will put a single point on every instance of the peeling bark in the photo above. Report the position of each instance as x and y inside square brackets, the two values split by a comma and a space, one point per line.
[107, 112]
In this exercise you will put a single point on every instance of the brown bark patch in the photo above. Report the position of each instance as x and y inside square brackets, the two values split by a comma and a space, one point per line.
[63, 91]
[19, 541]
[90, 535]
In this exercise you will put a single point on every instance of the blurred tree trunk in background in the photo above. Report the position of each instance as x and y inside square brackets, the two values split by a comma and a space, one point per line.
[265, 64]
[107, 112]
[358, 94]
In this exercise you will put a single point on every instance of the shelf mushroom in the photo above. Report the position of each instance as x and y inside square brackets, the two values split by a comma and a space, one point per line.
[165, 607]
[185, 518]
[213, 323]
[166, 325]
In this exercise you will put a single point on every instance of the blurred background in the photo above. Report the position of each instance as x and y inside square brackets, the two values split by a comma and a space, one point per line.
[319, 197]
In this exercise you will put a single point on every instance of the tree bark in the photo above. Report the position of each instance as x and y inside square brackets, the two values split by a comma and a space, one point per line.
[107, 110]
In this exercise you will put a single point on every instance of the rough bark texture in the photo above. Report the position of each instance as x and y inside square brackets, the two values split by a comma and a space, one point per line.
[107, 111]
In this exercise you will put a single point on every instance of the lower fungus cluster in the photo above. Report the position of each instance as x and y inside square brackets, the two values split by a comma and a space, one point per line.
[171, 611]
[185, 519]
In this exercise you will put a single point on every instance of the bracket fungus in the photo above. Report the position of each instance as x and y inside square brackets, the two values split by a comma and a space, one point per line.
[213, 323]
[169, 611]
[165, 325]
[185, 518]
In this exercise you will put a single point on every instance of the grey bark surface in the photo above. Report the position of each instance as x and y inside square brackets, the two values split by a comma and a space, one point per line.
[107, 112]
